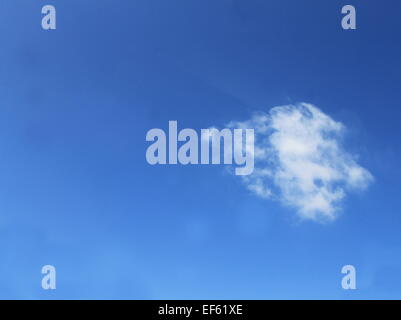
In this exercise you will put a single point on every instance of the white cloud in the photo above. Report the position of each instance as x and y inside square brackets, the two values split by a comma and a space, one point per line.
[299, 160]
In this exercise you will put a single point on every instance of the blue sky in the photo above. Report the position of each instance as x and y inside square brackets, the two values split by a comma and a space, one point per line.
[76, 191]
